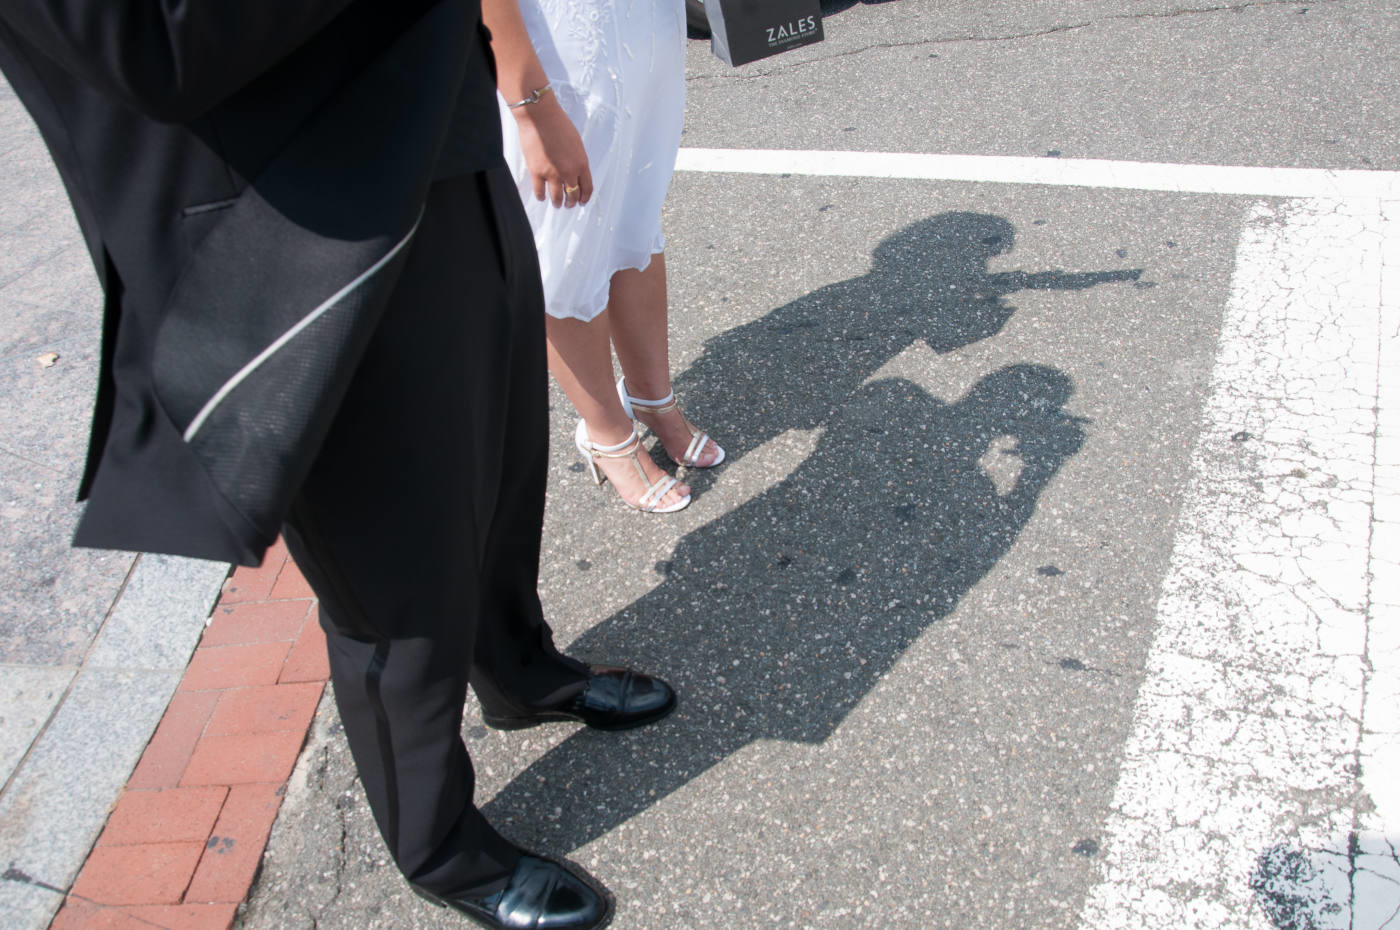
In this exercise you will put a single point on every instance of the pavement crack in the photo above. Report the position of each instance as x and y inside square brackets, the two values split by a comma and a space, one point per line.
[1353, 850]
[19, 876]
[342, 854]
[57, 473]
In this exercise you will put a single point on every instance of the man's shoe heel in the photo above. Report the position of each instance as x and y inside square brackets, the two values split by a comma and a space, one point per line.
[522, 723]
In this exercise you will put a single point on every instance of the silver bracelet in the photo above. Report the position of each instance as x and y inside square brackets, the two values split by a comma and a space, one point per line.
[534, 97]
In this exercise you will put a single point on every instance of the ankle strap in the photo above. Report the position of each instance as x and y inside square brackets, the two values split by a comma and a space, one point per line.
[670, 396]
[618, 451]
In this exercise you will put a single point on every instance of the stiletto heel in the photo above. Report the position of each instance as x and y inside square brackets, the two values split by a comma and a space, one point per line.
[650, 501]
[698, 439]
[586, 449]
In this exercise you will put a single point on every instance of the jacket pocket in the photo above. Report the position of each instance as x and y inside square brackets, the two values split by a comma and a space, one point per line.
[197, 220]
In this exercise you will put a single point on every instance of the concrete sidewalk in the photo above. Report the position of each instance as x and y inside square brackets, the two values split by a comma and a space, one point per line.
[92, 644]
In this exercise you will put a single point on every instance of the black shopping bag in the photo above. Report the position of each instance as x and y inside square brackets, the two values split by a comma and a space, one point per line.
[742, 31]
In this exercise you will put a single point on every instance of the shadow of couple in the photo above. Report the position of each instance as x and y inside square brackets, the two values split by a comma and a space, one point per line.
[776, 619]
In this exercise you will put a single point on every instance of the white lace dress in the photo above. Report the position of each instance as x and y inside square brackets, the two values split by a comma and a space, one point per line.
[618, 69]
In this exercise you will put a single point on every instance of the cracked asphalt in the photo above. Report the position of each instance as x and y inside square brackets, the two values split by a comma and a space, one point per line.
[1047, 583]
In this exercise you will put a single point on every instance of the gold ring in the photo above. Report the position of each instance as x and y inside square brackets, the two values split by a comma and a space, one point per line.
[571, 190]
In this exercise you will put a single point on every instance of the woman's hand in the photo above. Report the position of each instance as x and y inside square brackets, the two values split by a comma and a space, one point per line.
[554, 153]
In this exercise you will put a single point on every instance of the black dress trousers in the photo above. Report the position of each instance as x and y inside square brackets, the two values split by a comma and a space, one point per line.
[419, 529]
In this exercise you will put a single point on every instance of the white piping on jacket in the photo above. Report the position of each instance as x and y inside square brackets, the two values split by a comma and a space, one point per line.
[243, 373]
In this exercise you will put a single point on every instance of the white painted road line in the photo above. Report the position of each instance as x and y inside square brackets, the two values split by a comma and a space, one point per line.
[1378, 872]
[1239, 803]
[1062, 172]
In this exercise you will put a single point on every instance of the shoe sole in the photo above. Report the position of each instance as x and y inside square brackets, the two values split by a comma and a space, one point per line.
[522, 723]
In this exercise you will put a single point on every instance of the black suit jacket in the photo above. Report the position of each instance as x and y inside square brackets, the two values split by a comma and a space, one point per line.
[247, 176]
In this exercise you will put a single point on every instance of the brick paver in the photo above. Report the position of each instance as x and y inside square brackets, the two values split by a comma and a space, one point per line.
[236, 844]
[256, 622]
[167, 815]
[140, 873]
[308, 660]
[168, 752]
[267, 709]
[77, 915]
[215, 668]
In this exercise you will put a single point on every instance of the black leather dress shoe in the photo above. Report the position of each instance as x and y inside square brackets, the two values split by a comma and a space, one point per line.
[541, 895]
[614, 699]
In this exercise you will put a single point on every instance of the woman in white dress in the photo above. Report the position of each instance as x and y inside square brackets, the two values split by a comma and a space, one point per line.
[593, 98]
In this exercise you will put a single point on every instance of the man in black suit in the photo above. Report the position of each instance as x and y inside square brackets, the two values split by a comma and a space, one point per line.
[323, 318]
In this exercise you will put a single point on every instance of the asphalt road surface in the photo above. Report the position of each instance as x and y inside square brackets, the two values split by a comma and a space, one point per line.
[1050, 580]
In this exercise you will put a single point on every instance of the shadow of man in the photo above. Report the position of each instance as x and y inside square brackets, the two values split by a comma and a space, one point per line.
[796, 366]
[777, 619]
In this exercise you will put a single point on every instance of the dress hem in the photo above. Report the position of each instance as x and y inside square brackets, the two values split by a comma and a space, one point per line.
[606, 286]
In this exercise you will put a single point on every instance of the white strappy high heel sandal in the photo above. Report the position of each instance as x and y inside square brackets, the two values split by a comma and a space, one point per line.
[691, 458]
[650, 501]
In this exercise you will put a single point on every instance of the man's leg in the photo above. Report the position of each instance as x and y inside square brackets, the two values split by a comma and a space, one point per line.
[516, 664]
[393, 530]
[519, 676]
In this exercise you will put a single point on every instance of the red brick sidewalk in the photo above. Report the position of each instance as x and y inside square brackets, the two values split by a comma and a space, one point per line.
[184, 840]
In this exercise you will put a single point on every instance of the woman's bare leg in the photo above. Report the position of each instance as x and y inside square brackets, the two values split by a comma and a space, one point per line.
[580, 358]
[638, 306]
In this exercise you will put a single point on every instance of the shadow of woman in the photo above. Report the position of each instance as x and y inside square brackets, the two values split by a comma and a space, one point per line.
[798, 365]
[778, 618]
